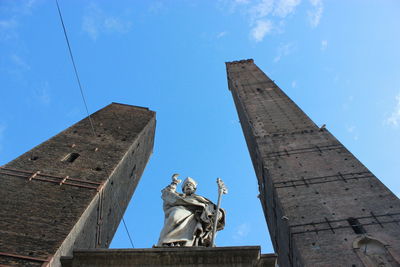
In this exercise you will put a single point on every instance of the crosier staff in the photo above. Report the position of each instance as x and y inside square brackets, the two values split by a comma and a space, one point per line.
[221, 190]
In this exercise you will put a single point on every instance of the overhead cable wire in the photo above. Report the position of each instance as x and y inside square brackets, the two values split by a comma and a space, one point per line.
[84, 101]
[126, 228]
[75, 69]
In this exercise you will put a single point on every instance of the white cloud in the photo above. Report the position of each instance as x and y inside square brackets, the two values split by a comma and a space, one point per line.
[394, 118]
[351, 129]
[294, 84]
[7, 24]
[221, 34]
[324, 45]
[19, 62]
[95, 21]
[90, 26]
[261, 10]
[285, 7]
[284, 50]
[117, 25]
[19, 7]
[28, 5]
[8, 29]
[157, 7]
[261, 16]
[231, 6]
[42, 93]
[348, 103]
[261, 28]
[14, 10]
[242, 231]
[270, 16]
[315, 14]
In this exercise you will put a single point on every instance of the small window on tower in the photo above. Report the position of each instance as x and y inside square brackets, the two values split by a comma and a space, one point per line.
[70, 157]
[356, 225]
[33, 157]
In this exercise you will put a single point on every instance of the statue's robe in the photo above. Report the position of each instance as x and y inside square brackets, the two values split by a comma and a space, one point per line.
[188, 219]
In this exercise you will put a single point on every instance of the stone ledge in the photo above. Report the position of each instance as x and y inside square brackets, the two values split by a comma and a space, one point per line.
[194, 256]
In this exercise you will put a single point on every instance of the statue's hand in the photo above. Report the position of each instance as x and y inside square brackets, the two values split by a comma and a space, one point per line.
[175, 179]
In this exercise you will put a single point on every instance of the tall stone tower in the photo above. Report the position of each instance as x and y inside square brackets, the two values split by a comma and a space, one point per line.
[323, 206]
[72, 190]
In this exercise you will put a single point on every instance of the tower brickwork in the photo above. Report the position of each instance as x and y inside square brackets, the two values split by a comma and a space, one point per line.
[72, 190]
[322, 205]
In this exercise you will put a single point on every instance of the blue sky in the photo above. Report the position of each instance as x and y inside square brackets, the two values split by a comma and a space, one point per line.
[339, 60]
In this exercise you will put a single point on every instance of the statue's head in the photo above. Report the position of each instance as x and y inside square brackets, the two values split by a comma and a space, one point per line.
[189, 186]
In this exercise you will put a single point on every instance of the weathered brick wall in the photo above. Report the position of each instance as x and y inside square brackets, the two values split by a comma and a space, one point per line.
[43, 215]
[310, 184]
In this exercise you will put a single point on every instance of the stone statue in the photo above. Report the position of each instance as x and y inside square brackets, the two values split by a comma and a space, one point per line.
[189, 218]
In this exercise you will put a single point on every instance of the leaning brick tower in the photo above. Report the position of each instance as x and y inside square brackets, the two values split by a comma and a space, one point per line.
[71, 191]
[322, 205]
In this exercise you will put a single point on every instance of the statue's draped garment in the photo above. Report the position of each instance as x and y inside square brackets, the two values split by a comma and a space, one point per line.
[188, 219]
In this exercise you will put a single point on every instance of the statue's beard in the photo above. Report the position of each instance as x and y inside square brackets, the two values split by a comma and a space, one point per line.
[189, 192]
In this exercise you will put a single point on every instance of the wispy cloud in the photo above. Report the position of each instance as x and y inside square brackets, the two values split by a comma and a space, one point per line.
[353, 131]
[284, 50]
[269, 16]
[96, 21]
[12, 13]
[19, 62]
[221, 34]
[231, 6]
[348, 102]
[260, 10]
[19, 7]
[261, 28]
[17, 66]
[157, 7]
[7, 24]
[242, 1]
[394, 118]
[294, 84]
[285, 7]
[241, 231]
[42, 94]
[115, 24]
[29, 5]
[324, 45]
[8, 29]
[350, 129]
[315, 14]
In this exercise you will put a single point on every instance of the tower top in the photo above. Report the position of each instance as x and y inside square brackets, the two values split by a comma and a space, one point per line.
[250, 60]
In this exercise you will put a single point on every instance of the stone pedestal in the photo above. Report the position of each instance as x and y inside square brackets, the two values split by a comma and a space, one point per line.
[196, 256]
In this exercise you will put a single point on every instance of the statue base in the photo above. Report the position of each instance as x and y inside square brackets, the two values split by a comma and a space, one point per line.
[180, 256]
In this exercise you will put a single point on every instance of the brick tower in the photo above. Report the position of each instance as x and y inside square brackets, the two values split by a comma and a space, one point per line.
[323, 206]
[72, 190]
